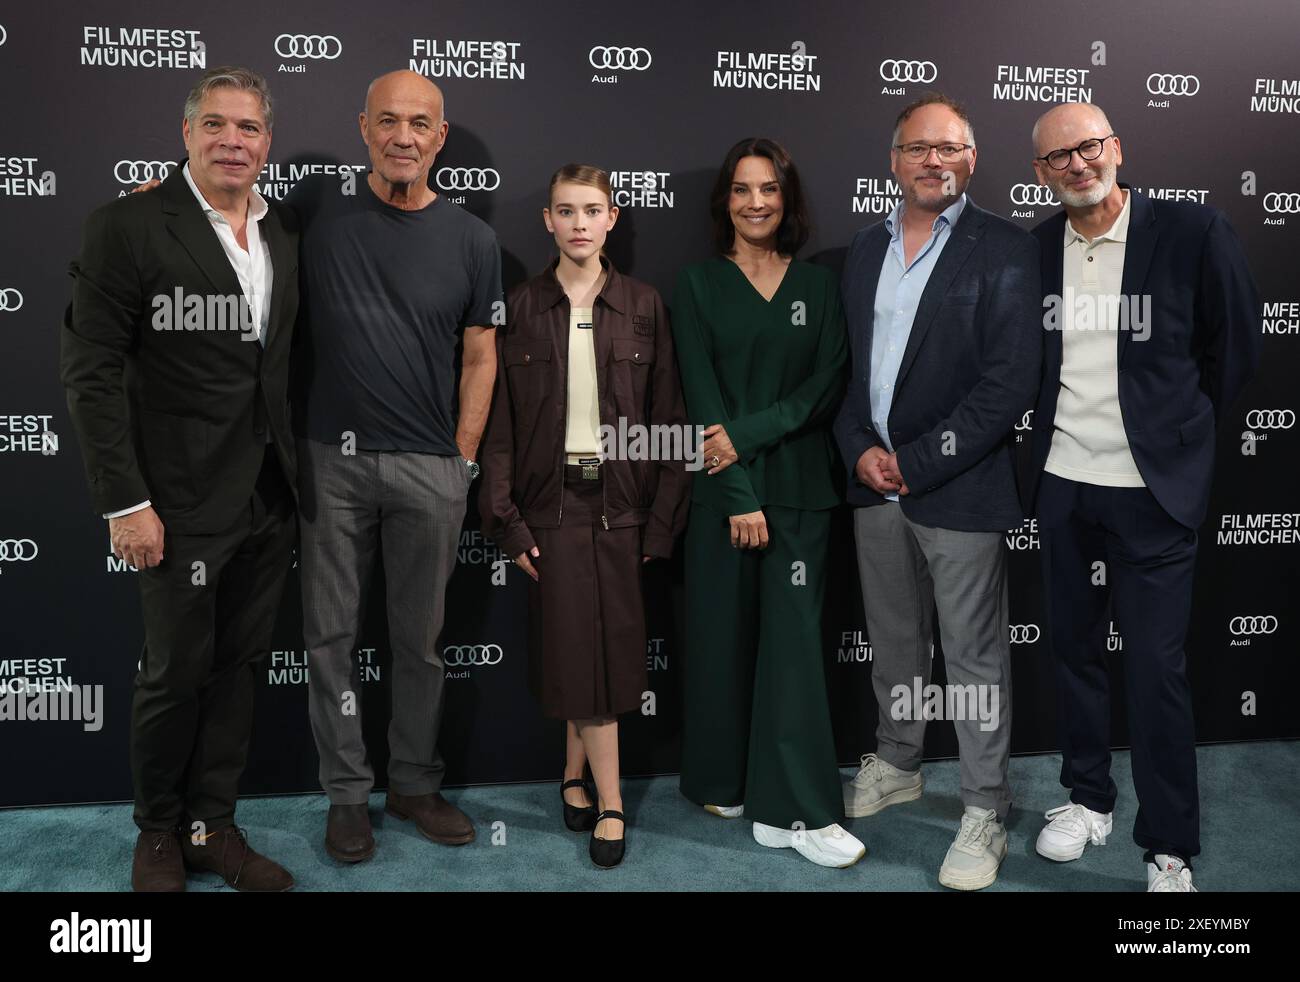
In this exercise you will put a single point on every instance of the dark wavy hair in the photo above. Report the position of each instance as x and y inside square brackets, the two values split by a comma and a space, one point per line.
[793, 232]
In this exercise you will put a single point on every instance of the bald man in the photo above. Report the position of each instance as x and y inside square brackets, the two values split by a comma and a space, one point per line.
[388, 431]
[1153, 325]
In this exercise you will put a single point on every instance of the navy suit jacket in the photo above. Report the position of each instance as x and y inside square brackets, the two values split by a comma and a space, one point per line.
[969, 373]
[1203, 346]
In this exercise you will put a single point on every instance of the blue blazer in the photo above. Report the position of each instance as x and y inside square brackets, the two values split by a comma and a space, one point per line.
[1202, 349]
[969, 373]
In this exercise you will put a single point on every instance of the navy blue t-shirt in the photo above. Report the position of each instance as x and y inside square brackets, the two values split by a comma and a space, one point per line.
[386, 295]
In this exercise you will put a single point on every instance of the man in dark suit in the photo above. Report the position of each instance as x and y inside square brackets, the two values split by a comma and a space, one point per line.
[175, 357]
[942, 300]
[1153, 329]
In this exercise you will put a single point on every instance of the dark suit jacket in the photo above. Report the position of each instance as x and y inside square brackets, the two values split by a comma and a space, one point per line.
[178, 417]
[970, 370]
[1202, 348]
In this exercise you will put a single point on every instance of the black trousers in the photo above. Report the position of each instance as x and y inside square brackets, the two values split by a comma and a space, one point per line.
[1149, 560]
[209, 610]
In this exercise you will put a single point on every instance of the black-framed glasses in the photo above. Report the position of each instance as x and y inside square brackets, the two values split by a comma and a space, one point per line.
[1087, 150]
[949, 153]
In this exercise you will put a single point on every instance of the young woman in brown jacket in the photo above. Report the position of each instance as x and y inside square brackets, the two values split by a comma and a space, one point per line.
[585, 364]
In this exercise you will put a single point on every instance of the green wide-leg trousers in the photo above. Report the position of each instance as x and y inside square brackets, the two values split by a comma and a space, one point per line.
[757, 726]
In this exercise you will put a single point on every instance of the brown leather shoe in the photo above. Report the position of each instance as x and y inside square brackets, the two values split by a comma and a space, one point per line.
[157, 866]
[227, 853]
[347, 833]
[437, 818]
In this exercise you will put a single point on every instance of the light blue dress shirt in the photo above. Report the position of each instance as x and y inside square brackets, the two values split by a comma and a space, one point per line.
[898, 293]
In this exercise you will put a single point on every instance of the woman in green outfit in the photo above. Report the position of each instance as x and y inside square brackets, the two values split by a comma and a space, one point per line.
[762, 349]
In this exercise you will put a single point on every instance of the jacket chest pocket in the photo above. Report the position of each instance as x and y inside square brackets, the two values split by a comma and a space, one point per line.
[528, 371]
[630, 368]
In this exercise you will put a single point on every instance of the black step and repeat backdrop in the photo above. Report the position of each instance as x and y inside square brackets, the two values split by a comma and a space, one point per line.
[1205, 96]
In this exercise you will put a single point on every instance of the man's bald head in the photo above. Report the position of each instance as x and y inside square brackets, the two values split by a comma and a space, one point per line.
[404, 128]
[404, 86]
[1068, 118]
[1083, 155]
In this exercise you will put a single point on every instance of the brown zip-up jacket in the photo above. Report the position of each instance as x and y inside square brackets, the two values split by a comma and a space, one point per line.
[523, 454]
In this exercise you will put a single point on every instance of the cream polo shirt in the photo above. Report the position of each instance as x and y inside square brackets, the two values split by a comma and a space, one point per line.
[1089, 444]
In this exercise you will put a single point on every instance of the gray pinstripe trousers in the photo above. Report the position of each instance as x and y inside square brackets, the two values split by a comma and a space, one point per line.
[414, 504]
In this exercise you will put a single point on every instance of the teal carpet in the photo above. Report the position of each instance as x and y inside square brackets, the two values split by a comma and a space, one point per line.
[1250, 839]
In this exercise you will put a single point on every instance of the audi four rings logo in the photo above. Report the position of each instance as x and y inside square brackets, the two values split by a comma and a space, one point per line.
[308, 46]
[1282, 202]
[1266, 624]
[1026, 421]
[1158, 84]
[1270, 419]
[17, 550]
[139, 171]
[10, 299]
[468, 179]
[4, 36]
[1032, 194]
[892, 70]
[1025, 633]
[635, 59]
[458, 655]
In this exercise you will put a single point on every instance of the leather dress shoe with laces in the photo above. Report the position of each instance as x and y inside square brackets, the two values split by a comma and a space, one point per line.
[436, 817]
[227, 853]
[156, 866]
[348, 837]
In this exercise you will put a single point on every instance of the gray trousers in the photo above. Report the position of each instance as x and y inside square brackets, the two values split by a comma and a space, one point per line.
[907, 570]
[414, 503]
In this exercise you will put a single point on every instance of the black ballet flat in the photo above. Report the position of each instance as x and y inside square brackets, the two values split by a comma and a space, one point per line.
[575, 818]
[608, 853]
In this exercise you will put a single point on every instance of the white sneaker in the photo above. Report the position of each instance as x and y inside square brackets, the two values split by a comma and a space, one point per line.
[1168, 874]
[831, 846]
[977, 852]
[726, 811]
[878, 785]
[1069, 829]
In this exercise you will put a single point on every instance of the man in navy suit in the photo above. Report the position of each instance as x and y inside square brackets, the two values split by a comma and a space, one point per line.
[943, 301]
[1152, 323]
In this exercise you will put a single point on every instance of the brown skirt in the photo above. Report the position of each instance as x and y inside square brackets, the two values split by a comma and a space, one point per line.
[586, 619]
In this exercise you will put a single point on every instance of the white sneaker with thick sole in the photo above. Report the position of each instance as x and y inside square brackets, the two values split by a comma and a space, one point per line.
[977, 852]
[726, 811]
[1069, 829]
[879, 784]
[1168, 874]
[831, 846]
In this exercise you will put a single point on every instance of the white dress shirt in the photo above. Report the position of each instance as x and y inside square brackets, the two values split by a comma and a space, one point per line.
[1089, 444]
[252, 266]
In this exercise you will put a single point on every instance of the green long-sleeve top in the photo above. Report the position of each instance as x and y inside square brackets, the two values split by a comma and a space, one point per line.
[772, 373]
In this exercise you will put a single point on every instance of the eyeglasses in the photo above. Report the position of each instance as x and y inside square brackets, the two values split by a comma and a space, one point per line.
[949, 153]
[1087, 150]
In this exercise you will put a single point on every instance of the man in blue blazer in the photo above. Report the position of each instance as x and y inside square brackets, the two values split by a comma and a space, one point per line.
[944, 315]
[1153, 327]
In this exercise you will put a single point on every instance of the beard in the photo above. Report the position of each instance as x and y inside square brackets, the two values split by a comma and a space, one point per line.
[1094, 195]
[932, 197]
